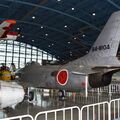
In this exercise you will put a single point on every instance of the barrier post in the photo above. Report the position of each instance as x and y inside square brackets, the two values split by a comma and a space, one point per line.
[109, 111]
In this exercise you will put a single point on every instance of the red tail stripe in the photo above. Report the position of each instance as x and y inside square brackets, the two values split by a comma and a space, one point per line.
[12, 33]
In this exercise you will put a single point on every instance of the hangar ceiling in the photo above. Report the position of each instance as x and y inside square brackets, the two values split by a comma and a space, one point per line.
[64, 28]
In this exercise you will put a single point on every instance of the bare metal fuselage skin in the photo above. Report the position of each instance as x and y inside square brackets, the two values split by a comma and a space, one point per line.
[98, 65]
[35, 75]
[41, 76]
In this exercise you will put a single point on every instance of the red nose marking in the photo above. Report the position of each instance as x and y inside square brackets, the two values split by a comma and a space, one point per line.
[62, 77]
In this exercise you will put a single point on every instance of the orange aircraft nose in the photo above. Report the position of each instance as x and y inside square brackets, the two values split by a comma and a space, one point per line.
[11, 21]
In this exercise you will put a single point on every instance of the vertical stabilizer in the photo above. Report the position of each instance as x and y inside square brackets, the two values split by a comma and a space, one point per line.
[107, 42]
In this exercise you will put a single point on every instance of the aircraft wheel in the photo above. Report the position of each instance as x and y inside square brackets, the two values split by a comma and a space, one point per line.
[61, 94]
[31, 95]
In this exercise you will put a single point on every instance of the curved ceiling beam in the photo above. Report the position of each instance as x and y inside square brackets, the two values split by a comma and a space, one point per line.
[54, 29]
[34, 9]
[51, 28]
[58, 53]
[56, 11]
[114, 4]
[43, 43]
[36, 24]
[1, 5]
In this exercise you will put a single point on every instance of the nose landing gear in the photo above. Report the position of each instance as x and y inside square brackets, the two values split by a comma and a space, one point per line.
[61, 94]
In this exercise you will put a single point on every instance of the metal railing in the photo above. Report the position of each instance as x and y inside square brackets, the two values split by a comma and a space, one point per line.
[69, 113]
[112, 88]
[98, 111]
[95, 111]
[21, 117]
[115, 108]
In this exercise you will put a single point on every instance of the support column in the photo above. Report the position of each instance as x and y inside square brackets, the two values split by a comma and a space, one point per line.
[37, 55]
[6, 52]
[86, 86]
[31, 53]
[25, 52]
[13, 52]
[19, 55]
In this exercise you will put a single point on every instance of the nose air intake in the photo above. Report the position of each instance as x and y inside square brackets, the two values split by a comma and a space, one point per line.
[62, 77]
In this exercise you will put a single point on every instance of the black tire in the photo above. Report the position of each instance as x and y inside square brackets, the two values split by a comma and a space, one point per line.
[61, 94]
[31, 95]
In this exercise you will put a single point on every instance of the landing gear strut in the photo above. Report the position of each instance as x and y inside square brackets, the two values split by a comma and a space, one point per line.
[29, 94]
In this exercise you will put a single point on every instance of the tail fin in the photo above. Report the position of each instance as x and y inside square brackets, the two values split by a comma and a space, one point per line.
[108, 41]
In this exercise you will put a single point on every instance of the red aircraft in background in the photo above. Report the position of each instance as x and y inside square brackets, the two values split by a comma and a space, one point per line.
[5, 33]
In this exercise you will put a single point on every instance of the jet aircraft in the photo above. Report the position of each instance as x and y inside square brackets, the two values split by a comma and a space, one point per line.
[97, 66]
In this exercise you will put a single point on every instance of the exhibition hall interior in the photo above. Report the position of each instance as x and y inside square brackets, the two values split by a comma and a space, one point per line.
[59, 59]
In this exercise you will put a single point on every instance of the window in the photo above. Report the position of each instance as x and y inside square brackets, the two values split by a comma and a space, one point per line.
[22, 56]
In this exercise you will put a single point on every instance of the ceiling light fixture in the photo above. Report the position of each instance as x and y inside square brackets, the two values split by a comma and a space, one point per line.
[41, 27]
[46, 34]
[33, 17]
[73, 8]
[83, 35]
[65, 26]
[75, 38]
[18, 28]
[68, 42]
[33, 40]
[94, 14]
